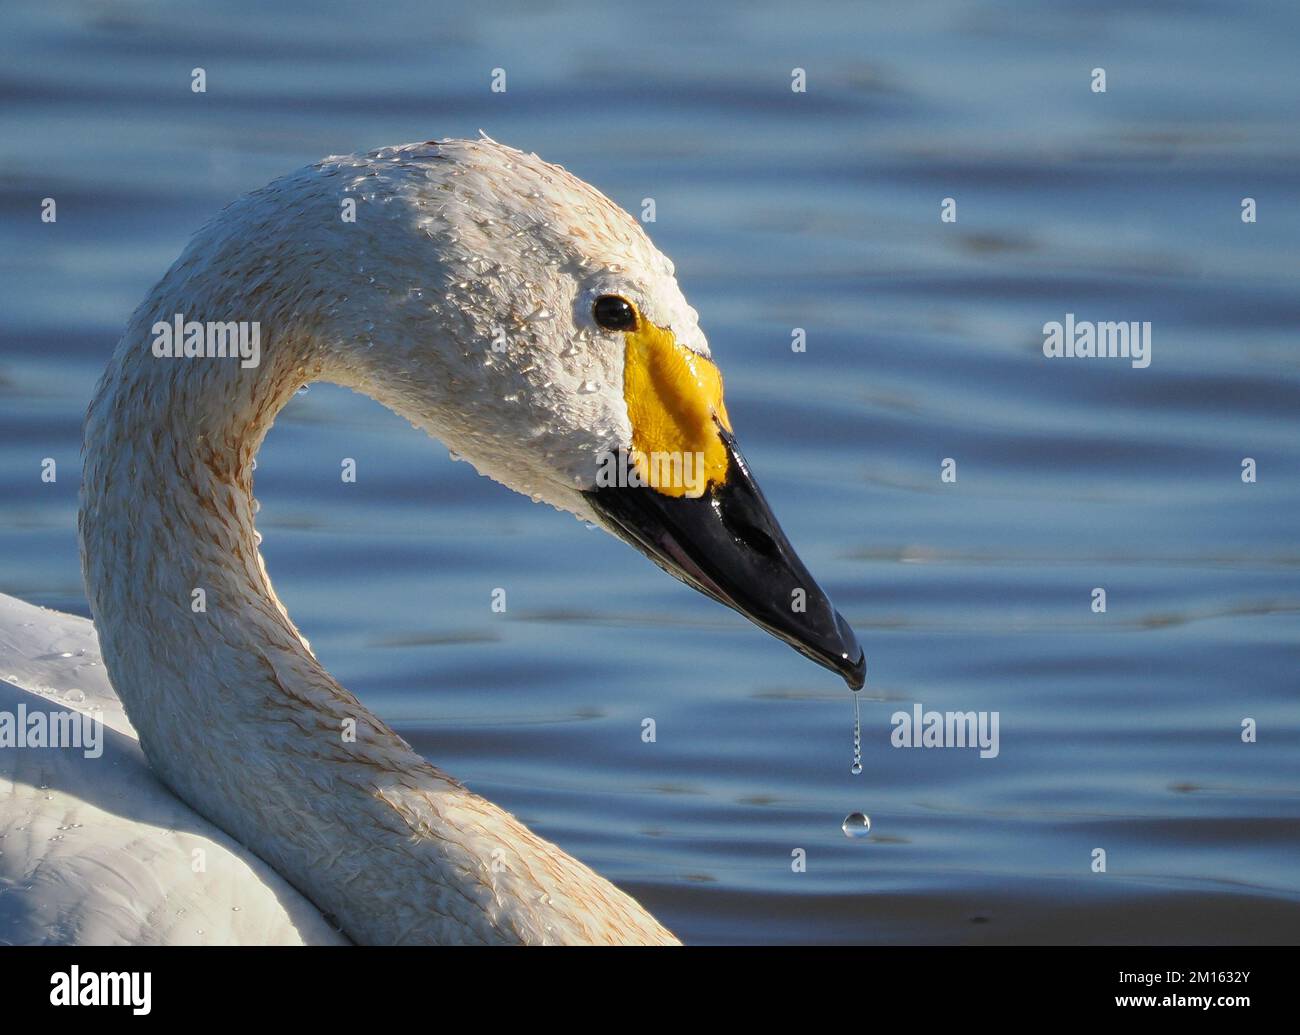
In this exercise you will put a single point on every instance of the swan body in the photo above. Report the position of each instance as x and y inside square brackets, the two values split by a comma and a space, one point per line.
[95, 850]
[462, 295]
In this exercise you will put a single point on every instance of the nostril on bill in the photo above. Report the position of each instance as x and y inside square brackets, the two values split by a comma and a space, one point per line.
[751, 535]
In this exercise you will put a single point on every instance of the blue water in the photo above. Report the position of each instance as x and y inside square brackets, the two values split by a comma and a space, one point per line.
[1119, 731]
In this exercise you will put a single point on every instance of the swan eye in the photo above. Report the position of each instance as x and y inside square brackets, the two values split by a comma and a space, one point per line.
[614, 313]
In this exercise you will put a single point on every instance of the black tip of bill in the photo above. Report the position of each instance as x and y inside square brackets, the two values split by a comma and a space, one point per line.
[727, 544]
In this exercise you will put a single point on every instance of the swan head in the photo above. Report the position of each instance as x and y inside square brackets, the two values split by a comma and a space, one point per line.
[525, 320]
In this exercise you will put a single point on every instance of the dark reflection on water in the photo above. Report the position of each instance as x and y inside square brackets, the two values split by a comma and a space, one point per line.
[1118, 731]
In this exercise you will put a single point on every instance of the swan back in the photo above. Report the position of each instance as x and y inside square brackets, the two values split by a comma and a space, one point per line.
[94, 850]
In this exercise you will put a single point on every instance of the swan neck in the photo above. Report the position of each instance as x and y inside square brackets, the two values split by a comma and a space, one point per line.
[233, 710]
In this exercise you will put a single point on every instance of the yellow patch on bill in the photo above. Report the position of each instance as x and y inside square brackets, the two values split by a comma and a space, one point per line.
[673, 396]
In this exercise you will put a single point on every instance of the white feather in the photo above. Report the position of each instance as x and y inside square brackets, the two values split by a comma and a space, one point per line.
[95, 850]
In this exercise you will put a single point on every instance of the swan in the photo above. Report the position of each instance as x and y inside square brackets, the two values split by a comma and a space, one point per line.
[511, 311]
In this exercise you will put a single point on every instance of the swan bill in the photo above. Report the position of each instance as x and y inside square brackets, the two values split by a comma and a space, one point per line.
[726, 543]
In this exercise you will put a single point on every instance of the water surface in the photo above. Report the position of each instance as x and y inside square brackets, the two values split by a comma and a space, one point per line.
[1118, 730]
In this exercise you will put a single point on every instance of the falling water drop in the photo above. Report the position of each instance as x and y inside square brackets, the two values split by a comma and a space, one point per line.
[856, 825]
[856, 768]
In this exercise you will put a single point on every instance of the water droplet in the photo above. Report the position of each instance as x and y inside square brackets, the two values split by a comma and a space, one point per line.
[66, 654]
[856, 768]
[856, 825]
[587, 387]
